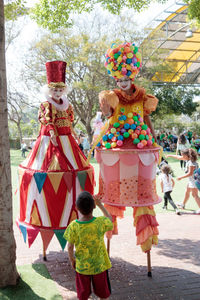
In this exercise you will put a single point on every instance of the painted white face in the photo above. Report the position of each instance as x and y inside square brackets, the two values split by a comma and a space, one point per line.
[124, 83]
[56, 93]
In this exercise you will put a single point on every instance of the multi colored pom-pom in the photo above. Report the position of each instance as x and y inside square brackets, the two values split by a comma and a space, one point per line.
[138, 132]
[125, 59]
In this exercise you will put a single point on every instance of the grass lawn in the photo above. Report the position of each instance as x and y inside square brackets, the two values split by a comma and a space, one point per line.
[32, 285]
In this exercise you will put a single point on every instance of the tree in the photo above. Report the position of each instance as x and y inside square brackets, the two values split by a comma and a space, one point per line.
[194, 11]
[85, 70]
[175, 100]
[20, 113]
[8, 271]
[57, 14]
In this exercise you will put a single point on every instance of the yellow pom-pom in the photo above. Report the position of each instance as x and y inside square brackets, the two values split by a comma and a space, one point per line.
[119, 59]
[113, 145]
[128, 67]
[130, 55]
[138, 55]
[130, 115]
[132, 75]
[117, 73]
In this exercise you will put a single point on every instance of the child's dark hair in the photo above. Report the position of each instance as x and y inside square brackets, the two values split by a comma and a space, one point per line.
[85, 203]
[191, 153]
[166, 169]
[182, 139]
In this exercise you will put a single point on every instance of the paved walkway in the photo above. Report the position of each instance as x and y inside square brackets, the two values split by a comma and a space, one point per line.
[175, 262]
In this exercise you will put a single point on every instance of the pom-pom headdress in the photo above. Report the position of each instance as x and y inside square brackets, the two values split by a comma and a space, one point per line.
[124, 60]
[56, 74]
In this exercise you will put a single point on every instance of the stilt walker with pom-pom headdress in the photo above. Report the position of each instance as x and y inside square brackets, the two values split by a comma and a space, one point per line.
[56, 170]
[126, 150]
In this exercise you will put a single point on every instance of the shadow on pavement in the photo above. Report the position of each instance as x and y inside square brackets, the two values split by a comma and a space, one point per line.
[129, 281]
[183, 249]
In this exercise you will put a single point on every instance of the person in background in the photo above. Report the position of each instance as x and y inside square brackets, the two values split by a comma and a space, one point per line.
[91, 260]
[182, 144]
[24, 149]
[189, 135]
[81, 138]
[167, 183]
[86, 146]
[190, 156]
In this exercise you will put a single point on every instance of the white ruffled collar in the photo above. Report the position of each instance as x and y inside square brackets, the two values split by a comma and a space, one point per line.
[62, 106]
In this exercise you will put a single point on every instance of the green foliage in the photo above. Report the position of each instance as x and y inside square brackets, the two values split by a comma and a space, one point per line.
[194, 10]
[15, 143]
[15, 9]
[195, 127]
[57, 14]
[175, 100]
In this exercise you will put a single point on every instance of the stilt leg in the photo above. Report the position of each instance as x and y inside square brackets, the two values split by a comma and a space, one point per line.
[44, 254]
[149, 274]
[108, 246]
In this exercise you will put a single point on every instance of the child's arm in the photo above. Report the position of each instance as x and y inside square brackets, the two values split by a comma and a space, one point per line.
[103, 209]
[188, 174]
[179, 157]
[70, 248]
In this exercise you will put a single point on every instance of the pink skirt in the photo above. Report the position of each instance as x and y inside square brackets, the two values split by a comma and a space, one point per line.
[128, 177]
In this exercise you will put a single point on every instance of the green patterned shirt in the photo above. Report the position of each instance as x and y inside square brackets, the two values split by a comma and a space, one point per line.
[88, 238]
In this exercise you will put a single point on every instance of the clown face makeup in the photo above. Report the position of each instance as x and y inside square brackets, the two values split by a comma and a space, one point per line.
[124, 83]
[56, 93]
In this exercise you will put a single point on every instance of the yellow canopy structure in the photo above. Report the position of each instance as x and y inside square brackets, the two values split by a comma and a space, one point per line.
[179, 45]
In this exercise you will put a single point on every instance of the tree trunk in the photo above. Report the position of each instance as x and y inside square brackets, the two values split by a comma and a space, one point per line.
[19, 132]
[8, 272]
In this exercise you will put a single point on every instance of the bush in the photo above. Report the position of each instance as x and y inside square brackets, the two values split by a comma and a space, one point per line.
[15, 144]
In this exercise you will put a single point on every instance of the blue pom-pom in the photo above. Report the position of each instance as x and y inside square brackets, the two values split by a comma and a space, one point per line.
[129, 61]
[99, 144]
[124, 117]
[128, 73]
[133, 126]
[120, 137]
[105, 138]
[110, 136]
[126, 126]
[108, 71]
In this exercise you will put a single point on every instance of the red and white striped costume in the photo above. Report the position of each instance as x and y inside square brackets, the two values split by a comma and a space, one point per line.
[51, 176]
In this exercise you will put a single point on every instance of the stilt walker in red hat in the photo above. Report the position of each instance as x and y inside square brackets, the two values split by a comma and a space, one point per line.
[126, 149]
[56, 170]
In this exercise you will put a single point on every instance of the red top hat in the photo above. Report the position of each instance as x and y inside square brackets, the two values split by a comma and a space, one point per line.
[56, 73]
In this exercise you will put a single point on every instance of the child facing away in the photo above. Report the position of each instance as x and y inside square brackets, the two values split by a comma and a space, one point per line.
[190, 156]
[91, 260]
[167, 184]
